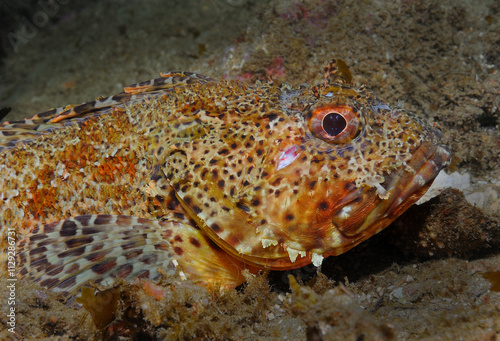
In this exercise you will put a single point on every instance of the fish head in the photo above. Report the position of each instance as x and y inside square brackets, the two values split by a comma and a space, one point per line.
[352, 168]
[283, 176]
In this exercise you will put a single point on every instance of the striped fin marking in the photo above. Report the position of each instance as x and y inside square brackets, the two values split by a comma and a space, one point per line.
[64, 255]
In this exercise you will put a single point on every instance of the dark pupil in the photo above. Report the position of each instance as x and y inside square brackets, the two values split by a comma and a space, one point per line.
[334, 123]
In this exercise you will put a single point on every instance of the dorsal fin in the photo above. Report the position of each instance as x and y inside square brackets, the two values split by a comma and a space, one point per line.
[12, 132]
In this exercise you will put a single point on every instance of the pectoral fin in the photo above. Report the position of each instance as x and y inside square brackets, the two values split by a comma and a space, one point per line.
[64, 255]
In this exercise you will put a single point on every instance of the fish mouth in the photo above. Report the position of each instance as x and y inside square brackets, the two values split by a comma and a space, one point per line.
[371, 210]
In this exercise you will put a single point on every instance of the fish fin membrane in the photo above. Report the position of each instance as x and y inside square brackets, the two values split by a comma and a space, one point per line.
[13, 132]
[63, 256]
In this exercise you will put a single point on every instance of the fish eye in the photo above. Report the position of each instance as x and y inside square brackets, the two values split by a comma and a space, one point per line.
[335, 123]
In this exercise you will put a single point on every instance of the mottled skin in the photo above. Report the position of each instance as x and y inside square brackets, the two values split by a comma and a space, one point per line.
[208, 177]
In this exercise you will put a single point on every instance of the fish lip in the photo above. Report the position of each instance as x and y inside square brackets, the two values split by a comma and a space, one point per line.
[427, 160]
[418, 184]
[399, 191]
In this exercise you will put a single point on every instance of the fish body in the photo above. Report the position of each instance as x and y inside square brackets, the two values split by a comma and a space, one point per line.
[206, 178]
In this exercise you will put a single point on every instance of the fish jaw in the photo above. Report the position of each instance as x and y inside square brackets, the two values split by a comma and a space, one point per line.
[402, 191]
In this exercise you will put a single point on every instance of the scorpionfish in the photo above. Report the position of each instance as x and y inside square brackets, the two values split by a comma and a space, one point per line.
[202, 179]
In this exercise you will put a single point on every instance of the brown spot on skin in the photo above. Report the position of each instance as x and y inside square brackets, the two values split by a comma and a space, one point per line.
[67, 283]
[195, 242]
[323, 205]
[124, 270]
[102, 219]
[221, 184]
[123, 220]
[179, 215]
[104, 267]
[312, 184]
[162, 246]
[47, 228]
[97, 247]
[132, 254]
[128, 245]
[54, 270]
[75, 242]
[289, 217]
[73, 268]
[276, 182]
[95, 257]
[178, 251]
[178, 238]
[36, 237]
[216, 228]
[68, 229]
[90, 230]
[350, 186]
[143, 221]
[84, 219]
[149, 259]
[242, 206]
[49, 283]
[234, 239]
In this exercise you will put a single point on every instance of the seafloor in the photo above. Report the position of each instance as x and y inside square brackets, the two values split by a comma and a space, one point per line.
[434, 274]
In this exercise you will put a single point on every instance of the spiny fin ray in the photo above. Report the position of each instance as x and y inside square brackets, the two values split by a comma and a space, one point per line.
[65, 255]
[13, 132]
